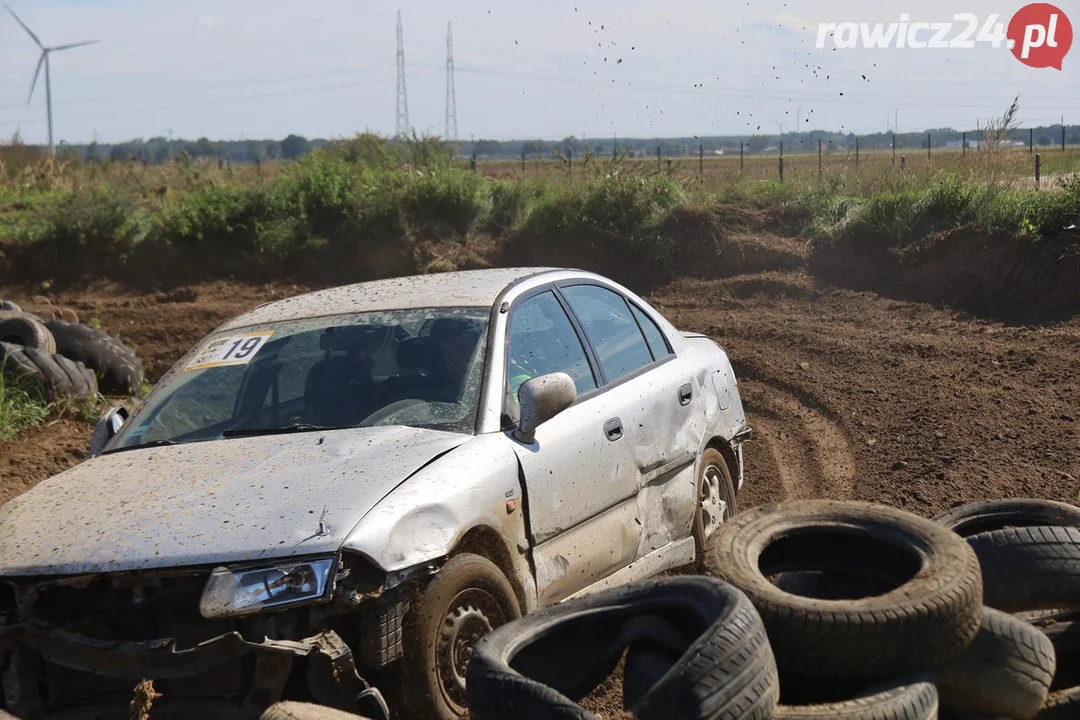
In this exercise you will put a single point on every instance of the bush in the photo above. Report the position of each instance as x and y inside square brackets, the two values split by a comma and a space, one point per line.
[219, 215]
[628, 207]
[365, 149]
[89, 216]
[511, 202]
[443, 199]
[320, 192]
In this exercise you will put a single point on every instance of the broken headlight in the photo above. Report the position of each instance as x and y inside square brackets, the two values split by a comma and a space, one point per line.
[242, 591]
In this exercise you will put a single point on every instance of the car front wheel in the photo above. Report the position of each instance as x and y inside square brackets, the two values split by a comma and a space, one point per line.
[716, 498]
[467, 599]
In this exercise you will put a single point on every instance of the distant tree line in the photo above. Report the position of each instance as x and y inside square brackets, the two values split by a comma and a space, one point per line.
[159, 150]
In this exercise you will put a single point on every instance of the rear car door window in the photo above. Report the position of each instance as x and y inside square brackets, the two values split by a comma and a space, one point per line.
[542, 340]
[653, 335]
[613, 333]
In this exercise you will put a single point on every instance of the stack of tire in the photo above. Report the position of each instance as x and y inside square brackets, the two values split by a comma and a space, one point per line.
[820, 609]
[65, 359]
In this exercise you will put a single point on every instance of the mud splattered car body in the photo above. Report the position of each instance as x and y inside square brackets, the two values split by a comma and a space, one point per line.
[243, 547]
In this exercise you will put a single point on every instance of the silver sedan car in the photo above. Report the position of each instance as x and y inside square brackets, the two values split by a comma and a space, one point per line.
[338, 493]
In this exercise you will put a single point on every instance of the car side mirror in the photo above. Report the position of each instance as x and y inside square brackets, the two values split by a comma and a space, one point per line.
[541, 399]
[106, 429]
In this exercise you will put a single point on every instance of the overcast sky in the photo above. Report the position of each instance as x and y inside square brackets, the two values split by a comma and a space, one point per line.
[232, 69]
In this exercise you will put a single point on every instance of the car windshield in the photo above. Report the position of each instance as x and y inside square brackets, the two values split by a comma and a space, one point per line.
[422, 368]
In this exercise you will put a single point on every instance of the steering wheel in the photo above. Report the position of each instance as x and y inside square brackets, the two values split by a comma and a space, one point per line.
[390, 410]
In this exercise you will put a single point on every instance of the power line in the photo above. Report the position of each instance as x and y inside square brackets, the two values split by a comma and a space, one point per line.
[171, 90]
[754, 94]
[225, 101]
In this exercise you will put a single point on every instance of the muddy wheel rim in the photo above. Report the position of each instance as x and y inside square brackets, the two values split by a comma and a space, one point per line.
[473, 614]
[713, 506]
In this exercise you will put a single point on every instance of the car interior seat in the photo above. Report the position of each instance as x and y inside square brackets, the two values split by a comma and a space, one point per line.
[336, 385]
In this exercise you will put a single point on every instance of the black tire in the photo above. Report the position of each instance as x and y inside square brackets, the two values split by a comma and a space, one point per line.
[27, 332]
[647, 662]
[1031, 568]
[470, 592]
[989, 515]
[911, 698]
[1062, 705]
[541, 665]
[57, 376]
[830, 586]
[15, 364]
[931, 614]
[8, 306]
[119, 370]
[1065, 637]
[716, 500]
[289, 710]
[1005, 671]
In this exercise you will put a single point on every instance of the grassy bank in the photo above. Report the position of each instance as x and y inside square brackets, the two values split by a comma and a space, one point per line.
[356, 195]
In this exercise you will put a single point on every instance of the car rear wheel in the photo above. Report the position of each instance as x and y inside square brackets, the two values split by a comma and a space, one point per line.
[716, 499]
[467, 599]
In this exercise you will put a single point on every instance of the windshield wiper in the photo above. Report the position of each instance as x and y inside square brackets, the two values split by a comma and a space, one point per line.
[297, 428]
[152, 443]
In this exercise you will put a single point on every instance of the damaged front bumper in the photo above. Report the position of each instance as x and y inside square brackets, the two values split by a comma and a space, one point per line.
[331, 675]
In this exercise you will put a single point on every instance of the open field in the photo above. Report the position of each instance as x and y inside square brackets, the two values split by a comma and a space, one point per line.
[861, 173]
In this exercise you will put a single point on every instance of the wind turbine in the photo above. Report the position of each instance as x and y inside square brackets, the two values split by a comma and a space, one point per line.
[44, 59]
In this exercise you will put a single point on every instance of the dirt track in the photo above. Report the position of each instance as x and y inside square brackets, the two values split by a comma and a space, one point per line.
[852, 395]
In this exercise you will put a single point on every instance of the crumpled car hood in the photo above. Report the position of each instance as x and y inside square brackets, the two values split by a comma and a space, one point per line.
[220, 501]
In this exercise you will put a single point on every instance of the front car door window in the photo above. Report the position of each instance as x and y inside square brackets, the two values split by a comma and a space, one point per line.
[542, 340]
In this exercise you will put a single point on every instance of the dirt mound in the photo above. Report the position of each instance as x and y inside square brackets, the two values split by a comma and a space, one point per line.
[745, 253]
[969, 270]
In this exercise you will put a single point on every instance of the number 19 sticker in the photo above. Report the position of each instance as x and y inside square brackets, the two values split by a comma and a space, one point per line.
[234, 350]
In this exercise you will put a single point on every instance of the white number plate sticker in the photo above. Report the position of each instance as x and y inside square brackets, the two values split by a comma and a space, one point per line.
[234, 350]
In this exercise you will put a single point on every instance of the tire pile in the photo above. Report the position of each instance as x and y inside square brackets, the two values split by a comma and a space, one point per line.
[65, 359]
[820, 609]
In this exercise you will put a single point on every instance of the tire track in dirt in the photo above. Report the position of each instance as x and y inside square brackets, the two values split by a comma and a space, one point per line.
[801, 448]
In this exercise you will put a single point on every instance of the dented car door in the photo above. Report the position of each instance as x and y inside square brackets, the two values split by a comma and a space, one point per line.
[580, 476]
[662, 409]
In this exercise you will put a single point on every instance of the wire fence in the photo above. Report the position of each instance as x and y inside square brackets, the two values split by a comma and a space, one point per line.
[1023, 167]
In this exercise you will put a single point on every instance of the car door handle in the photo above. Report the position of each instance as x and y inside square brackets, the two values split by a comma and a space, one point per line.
[613, 429]
[686, 394]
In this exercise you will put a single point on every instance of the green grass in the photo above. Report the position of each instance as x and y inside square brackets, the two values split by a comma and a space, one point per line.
[21, 408]
[947, 204]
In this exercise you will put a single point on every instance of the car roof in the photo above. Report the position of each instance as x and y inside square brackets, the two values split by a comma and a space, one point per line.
[465, 288]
